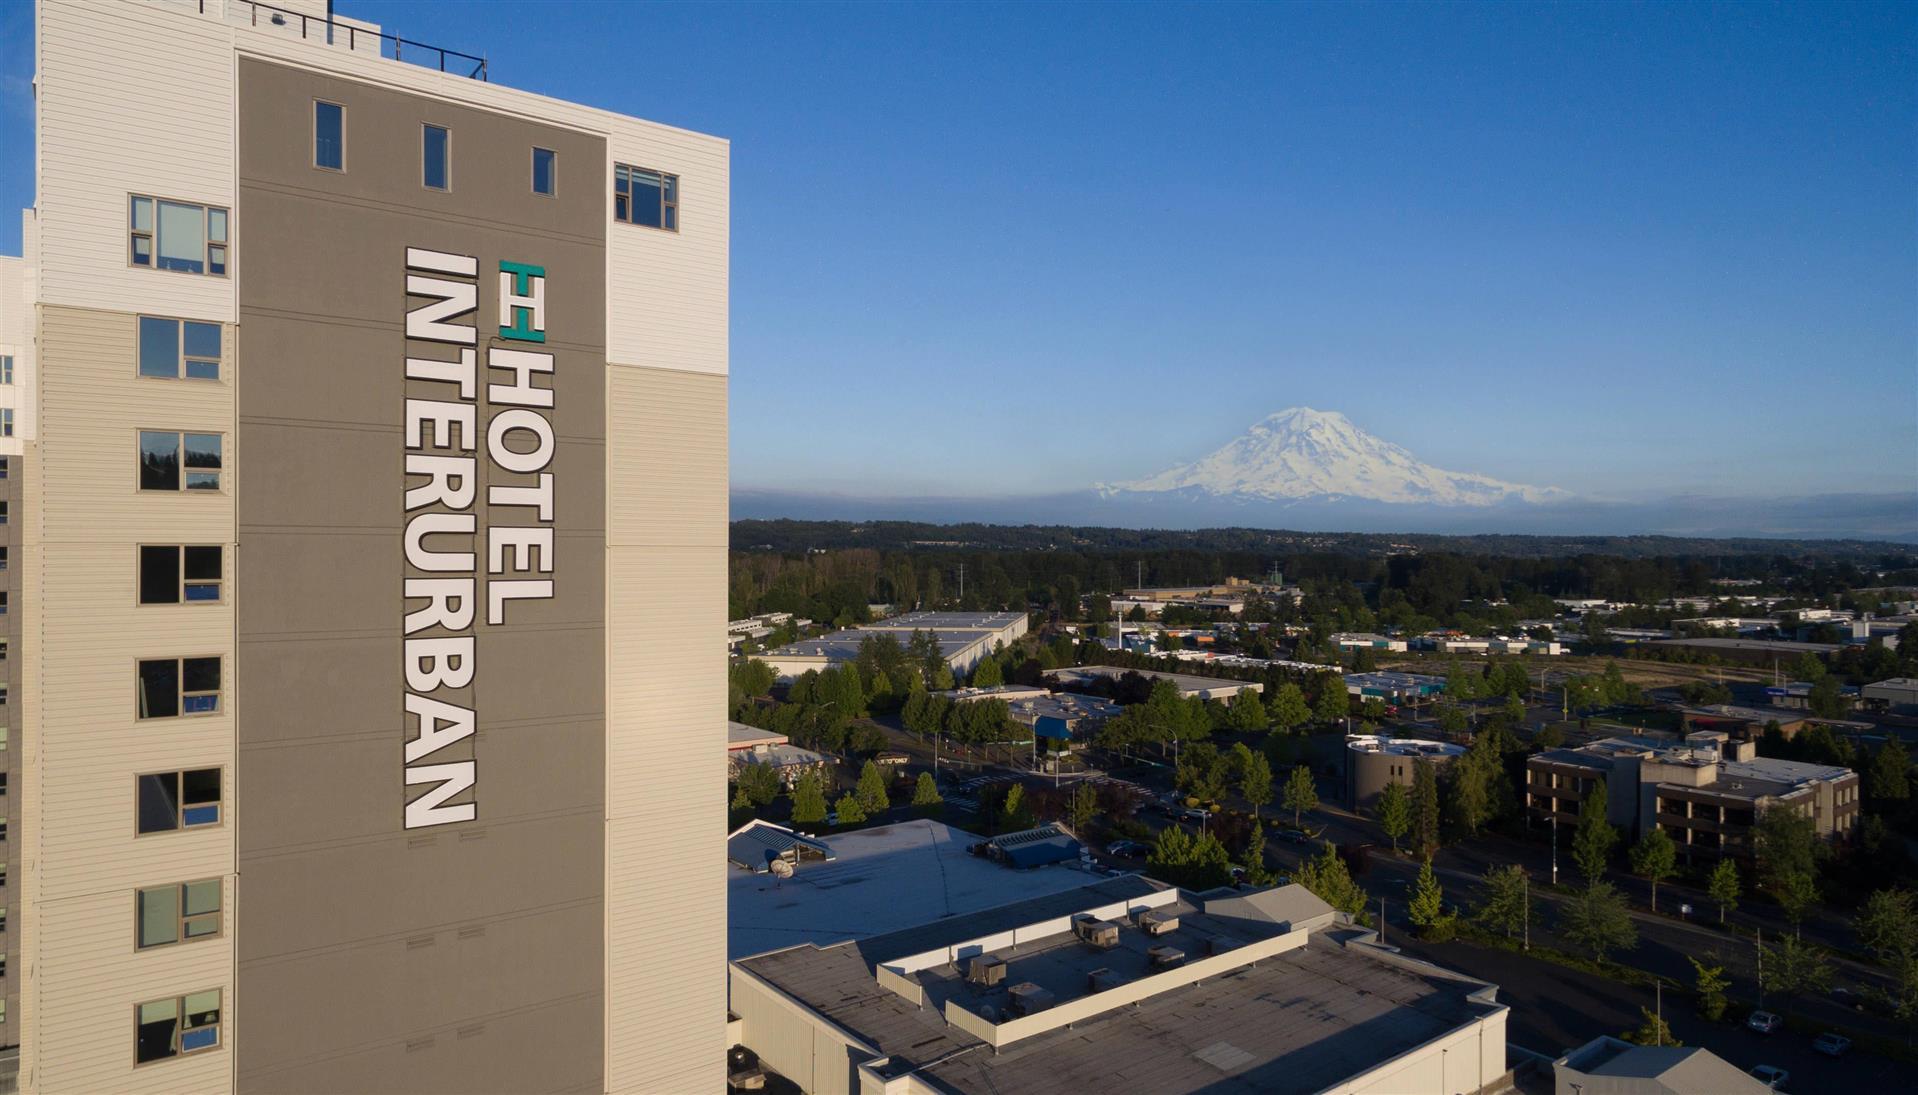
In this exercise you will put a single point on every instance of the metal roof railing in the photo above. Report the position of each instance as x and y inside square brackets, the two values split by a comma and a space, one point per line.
[329, 30]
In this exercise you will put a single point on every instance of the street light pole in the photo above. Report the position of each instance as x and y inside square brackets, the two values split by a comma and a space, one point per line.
[1528, 910]
[1554, 840]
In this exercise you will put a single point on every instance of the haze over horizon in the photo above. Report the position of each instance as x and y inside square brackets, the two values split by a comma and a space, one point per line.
[990, 250]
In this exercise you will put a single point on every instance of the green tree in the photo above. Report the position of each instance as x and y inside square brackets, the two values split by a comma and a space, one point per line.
[1327, 877]
[809, 800]
[1255, 775]
[1502, 900]
[752, 677]
[1246, 712]
[1202, 771]
[1653, 1031]
[1334, 703]
[1888, 927]
[1300, 793]
[1794, 968]
[1425, 806]
[1787, 848]
[1596, 920]
[1889, 777]
[1082, 807]
[873, 797]
[1253, 860]
[759, 783]
[1016, 814]
[850, 810]
[1724, 887]
[925, 793]
[1452, 719]
[1655, 858]
[1796, 892]
[1592, 842]
[1427, 905]
[1289, 709]
[1394, 812]
[988, 673]
[1195, 862]
[1712, 984]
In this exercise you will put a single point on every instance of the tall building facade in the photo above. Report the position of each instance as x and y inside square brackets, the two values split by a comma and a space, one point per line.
[366, 471]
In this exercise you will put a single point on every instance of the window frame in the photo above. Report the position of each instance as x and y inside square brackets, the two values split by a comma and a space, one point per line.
[139, 463]
[180, 580]
[6, 421]
[207, 243]
[446, 153]
[6, 369]
[180, 804]
[552, 173]
[180, 691]
[178, 1001]
[668, 185]
[180, 915]
[316, 164]
[183, 360]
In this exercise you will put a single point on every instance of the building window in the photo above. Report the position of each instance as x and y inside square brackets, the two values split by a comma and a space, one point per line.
[177, 1026]
[172, 687]
[179, 461]
[329, 135]
[172, 575]
[3, 512]
[169, 235]
[648, 198]
[434, 173]
[179, 800]
[4, 468]
[168, 344]
[6, 368]
[173, 914]
[545, 163]
[6, 421]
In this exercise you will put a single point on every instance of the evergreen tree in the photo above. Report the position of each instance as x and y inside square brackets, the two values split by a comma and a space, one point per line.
[1655, 858]
[1394, 812]
[849, 810]
[1082, 807]
[1592, 843]
[1425, 806]
[1256, 871]
[1327, 877]
[1502, 900]
[809, 800]
[1300, 793]
[1724, 887]
[1652, 1032]
[1427, 905]
[1016, 814]
[988, 673]
[873, 797]
[1889, 777]
[1712, 984]
[925, 794]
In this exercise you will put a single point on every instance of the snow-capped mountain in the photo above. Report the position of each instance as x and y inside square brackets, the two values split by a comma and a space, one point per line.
[1302, 454]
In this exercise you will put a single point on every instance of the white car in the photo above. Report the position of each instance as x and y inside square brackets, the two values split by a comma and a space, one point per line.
[1771, 1076]
[1764, 1022]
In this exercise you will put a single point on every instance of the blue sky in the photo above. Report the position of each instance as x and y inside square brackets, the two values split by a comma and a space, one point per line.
[1628, 250]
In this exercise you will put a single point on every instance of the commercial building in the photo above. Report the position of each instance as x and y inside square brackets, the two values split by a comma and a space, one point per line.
[1898, 695]
[1609, 1066]
[1375, 761]
[1368, 641]
[450, 360]
[1393, 687]
[1127, 985]
[964, 638]
[1189, 685]
[751, 745]
[1762, 652]
[1707, 792]
[1004, 628]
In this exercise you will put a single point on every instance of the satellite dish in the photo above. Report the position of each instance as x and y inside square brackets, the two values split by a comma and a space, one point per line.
[782, 868]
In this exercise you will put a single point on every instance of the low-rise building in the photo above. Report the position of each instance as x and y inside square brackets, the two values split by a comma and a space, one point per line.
[1765, 652]
[1368, 641]
[751, 745]
[1898, 695]
[1609, 1066]
[1393, 687]
[964, 638]
[1189, 685]
[1375, 761]
[1707, 792]
[1127, 985]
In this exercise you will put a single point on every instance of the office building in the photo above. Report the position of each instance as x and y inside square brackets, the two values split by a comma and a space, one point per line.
[1188, 684]
[1375, 761]
[393, 798]
[1706, 792]
[1126, 985]
[964, 639]
[1614, 1067]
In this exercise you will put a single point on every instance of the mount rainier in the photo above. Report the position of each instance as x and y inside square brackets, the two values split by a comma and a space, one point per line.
[1300, 455]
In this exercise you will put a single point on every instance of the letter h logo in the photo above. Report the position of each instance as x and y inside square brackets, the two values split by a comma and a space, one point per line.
[522, 301]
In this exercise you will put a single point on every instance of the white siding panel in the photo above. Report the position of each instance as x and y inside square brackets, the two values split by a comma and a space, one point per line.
[666, 292]
[133, 98]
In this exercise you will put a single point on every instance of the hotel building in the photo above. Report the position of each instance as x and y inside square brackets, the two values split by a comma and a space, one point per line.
[364, 428]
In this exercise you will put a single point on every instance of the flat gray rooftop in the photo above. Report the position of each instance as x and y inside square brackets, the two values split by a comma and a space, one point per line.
[886, 879]
[1189, 682]
[926, 621]
[1304, 1020]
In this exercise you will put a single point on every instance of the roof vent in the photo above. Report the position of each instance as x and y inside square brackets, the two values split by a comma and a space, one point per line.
[985, 970]
[1027, 999]
[1100, 980]
[1099, 933]
[1164, 957]
[1156, 922]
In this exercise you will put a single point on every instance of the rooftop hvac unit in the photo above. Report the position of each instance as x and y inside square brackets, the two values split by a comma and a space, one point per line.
[985, 970]
[1099, 933]
[1102, 979]
[1156, 922]
[1027, 998]
[1165, 958]
[1217, 945]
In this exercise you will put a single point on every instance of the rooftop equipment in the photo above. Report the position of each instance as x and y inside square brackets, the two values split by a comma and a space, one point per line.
[1158, 922]
[1027, 998]
[985, 970]
[1164, 957]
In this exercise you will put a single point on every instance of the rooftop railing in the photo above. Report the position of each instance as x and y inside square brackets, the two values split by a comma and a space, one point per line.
[335, 31]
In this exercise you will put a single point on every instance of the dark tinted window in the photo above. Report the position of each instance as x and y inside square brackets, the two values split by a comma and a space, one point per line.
[160, 575]
[542, 171]
[200, 675]
[159, 803]
[200, 797]
[159, 461]
[433, 152]
[329, 136]
[159, 689]
[202, 563]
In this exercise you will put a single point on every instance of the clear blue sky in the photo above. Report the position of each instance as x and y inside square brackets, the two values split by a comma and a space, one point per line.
[989, 249]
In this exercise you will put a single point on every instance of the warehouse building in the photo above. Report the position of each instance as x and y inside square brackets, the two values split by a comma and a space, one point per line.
[965, 639]
[1189, 685]
[450, 359]
[1898, 695]
[1127, 985]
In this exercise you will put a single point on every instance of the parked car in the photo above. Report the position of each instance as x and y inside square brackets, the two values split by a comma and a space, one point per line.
[1125, 847]
[1764, 1022]
[1294, 836]
[1193, 814]
[1771, 1076]
[1831, 1044]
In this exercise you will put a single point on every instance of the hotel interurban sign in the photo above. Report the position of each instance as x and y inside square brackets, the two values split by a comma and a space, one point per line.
[443, 538]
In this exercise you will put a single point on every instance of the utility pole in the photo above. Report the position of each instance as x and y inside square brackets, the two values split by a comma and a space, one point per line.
[1758, 935]
[1528, 910]
[1554, 840]
[1658, 1028]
